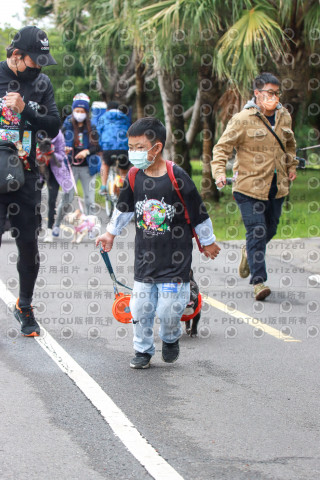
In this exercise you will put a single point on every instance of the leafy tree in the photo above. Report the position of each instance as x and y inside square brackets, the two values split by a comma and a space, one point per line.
[188, 28]
[200, 56]
[282, 35]
[114, 30]
[6, 35]
[68, 76]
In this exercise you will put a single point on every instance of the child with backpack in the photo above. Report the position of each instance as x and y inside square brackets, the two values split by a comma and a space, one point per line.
[162, 196]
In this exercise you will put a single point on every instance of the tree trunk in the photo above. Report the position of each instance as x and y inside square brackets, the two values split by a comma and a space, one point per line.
[168, 151]
[210, 90]
[293, 70]
[140, 90]
[194, 125]
[208, 186]
[173, 109]
[111, 85]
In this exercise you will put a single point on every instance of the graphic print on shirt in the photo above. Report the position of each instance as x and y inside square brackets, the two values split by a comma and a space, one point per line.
[9, 125]
[154, 216]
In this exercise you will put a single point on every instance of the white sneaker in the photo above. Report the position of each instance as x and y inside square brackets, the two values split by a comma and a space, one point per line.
[48, 238]
[56, 231]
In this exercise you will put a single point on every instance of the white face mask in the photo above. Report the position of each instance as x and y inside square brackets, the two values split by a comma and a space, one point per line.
[139, 159]
[80, 117]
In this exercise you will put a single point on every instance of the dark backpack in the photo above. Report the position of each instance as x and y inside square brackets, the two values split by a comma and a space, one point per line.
[11, 168]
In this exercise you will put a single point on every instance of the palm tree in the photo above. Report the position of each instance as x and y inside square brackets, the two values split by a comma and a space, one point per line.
[242, 37]
[279, 35]
[40, 8]
[197, 22]
[108, 37]
[115, 28]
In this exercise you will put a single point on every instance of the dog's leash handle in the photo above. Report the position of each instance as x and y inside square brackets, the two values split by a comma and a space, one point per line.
[106, 260]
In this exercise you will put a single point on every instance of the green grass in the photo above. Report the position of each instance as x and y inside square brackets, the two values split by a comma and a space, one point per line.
[300, 214]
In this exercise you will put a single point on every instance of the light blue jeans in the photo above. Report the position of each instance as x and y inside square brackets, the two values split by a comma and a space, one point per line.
[168, 301]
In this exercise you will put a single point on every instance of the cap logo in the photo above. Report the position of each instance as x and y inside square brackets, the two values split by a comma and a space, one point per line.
[45, 42]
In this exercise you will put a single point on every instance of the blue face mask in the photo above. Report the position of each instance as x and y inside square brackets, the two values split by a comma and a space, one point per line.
[139, 159]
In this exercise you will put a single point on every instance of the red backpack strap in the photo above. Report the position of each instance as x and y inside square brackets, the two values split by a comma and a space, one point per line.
[176, 187]
[132, 176]
[186, 214]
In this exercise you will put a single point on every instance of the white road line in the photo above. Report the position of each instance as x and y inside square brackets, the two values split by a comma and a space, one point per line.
[137, 445]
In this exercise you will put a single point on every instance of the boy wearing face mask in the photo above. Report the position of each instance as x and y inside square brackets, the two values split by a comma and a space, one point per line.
[163, 243]
[263, 169]
[26, 96]
[82, 142]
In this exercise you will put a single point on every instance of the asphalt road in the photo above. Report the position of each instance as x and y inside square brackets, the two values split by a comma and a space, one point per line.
[242, 402]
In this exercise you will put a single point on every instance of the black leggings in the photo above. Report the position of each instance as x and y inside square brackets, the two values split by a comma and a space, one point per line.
[28, 268]
[53, 189]
[23, 208]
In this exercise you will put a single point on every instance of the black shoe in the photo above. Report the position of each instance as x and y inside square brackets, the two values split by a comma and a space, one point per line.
[170, 351]
[29, 326]
[140, 360]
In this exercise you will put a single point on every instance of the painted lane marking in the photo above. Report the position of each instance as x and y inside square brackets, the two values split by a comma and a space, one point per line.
[253, 322]
[122, 427]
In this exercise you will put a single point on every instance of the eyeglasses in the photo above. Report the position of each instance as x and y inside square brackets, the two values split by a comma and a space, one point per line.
[272, 93]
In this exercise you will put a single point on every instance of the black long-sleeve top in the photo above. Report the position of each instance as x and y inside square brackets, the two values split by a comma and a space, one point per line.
[40, 114]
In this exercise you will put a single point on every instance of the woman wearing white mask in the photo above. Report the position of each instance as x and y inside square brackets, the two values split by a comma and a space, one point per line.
[82, 146]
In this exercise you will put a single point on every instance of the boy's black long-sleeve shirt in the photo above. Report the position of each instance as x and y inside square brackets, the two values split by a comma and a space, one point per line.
[163, 243]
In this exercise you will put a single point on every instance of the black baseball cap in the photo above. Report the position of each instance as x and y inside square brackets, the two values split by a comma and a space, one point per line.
[35, 43]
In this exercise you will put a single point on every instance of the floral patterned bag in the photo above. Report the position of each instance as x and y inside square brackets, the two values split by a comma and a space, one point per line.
[11, 163]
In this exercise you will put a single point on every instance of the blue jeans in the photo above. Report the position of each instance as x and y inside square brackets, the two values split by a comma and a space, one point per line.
[168, 301]
[261, 218]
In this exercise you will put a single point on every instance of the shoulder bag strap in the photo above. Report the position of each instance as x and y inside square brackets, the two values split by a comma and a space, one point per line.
[186, 214]
[21, 131]
[22, 120]
[132, 176]
[176, 187]
[272, 131]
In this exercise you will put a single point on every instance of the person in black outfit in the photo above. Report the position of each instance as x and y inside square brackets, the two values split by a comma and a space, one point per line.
[26, 95]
